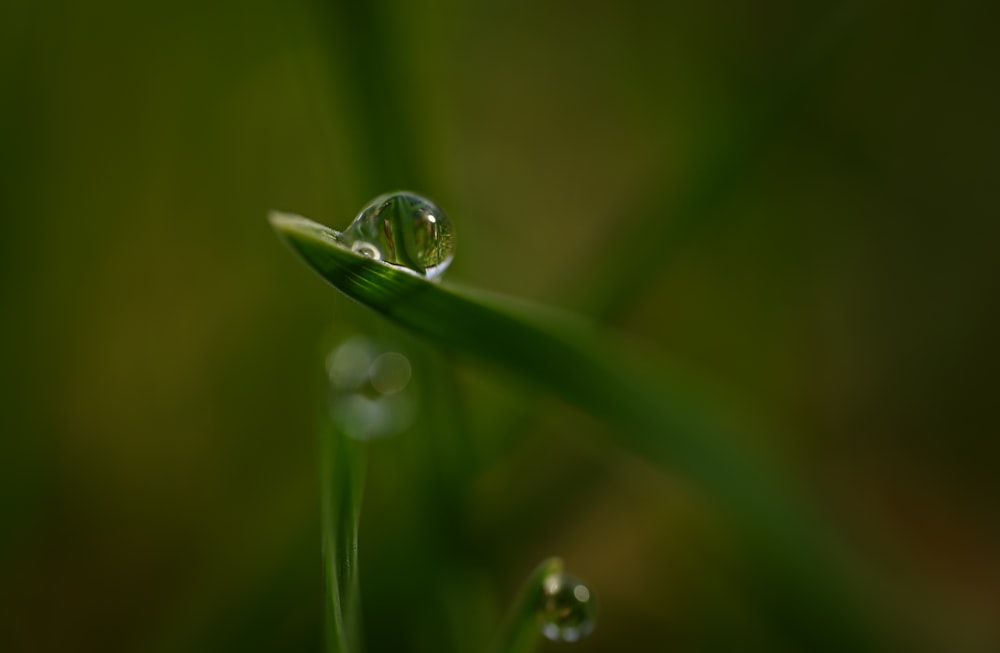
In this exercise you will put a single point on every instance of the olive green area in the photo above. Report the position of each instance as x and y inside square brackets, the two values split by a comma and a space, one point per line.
[753, 247]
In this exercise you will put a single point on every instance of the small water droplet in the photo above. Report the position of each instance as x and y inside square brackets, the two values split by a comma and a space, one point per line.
[568, 608]
[404, 230]
[366, 249]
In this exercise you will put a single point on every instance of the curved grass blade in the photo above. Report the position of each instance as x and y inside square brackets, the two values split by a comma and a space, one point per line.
[544, 347]
[342, 478]
[658, 417]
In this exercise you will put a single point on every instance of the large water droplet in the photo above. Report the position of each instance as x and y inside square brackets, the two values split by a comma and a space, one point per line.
[567, 610]
[405, 230]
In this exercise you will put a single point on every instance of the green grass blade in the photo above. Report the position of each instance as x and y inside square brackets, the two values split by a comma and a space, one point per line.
[342, 478]
[657, 417]
[547, 348]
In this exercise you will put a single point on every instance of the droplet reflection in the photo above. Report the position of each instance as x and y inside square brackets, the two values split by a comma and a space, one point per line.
[368, 384]
[404, 230]
[390, 372]
[567, 611]
[348, 364]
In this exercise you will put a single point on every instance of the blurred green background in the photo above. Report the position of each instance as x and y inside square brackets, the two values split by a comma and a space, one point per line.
[796, 201]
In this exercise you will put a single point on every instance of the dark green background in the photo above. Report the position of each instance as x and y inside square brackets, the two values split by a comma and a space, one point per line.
[797, 201]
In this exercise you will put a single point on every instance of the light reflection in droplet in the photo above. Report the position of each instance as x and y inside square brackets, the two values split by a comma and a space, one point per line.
[404, 230]
[367, 249]
[348, 364]
[567, 610]
[390, 372]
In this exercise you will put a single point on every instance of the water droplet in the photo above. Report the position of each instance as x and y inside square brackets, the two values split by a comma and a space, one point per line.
[404, 230]
[567, 609]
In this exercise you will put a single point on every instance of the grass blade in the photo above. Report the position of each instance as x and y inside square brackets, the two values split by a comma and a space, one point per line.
[342, 479]
[657, 417]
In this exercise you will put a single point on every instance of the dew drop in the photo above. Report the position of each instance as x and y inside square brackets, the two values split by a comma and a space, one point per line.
[567, 609]
[404, 230]
[390, 372]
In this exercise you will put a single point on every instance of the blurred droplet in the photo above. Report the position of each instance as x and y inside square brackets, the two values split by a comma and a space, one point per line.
[390, 373]
[359, 416]
[404, 230]
[368, 389]
[568, 609]
[348, 365]
[367, 418]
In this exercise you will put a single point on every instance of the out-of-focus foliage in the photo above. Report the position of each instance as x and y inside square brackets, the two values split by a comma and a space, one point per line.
[809, 190]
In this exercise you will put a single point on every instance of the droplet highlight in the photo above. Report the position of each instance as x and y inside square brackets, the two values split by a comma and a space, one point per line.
[404, 230]
[567, 610]
[366, 249]
[390, 373]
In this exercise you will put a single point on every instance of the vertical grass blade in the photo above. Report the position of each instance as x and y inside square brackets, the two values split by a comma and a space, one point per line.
[342, 484]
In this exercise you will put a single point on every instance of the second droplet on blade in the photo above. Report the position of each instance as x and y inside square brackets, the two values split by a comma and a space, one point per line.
[567, 610]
